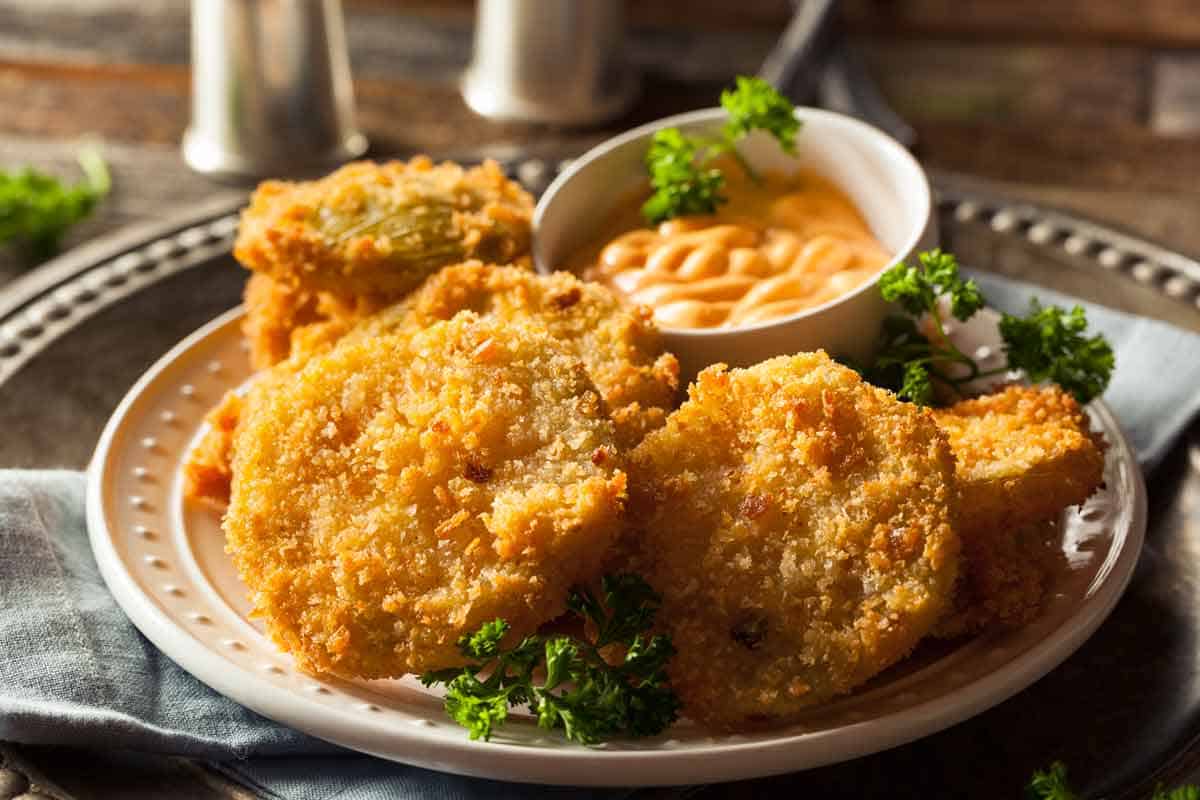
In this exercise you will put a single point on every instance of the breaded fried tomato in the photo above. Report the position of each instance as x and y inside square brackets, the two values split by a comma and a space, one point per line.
[395, 492]
[1004, 577]
[277, 313]
[799, 526]
[620, 346]
[1024, 454]
[381, 229]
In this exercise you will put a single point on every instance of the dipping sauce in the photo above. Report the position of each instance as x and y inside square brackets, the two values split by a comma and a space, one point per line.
[779, 246]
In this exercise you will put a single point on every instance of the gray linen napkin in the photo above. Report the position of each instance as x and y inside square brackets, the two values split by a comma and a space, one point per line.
[73, 670]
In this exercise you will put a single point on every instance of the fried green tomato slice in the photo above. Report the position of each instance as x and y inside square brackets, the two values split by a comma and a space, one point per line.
[394, 493]
[1024, 454]
[380, 229]
[620, 346]
[1004, 577]
[798, 523]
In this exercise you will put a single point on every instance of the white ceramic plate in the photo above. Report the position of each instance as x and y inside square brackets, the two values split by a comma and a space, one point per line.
[164, 561]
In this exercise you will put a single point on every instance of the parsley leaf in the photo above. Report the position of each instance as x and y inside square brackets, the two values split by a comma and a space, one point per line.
[917, 289]
[755, 105]
[37, 209]
[1052, 344]
[682, 181]
[1048, 344]
[681, 186]
[1050, 784]
[580, 693]
[917, 385]
[485, 642]
[1178, 793]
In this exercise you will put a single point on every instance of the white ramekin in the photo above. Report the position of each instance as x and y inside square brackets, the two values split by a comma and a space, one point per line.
[879, 175]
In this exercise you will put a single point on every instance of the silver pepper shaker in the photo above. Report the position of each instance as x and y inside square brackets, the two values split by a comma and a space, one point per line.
[271, 90]
[549, 61]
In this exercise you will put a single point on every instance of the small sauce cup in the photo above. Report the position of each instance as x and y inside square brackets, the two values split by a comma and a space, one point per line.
[882, 178]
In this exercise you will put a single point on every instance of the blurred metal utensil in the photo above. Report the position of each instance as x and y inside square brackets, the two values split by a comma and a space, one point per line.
[271, 91]
[794, 64]
[549, 61]
[846, 86]
[813, 63]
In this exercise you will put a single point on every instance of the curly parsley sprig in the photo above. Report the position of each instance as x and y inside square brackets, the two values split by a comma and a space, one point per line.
[683, 182]
[37, 209]
[1051, 784]
[1047, 344]
[578, 691]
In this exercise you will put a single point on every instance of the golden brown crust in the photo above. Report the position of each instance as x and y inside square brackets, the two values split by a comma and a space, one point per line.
[273, 311]
[278, 312]
[620, 346]
[1005, 573]
[381, 229]
[799, 525]
[207, 470]
[395, 492]
[276, 315]
[1023, 453]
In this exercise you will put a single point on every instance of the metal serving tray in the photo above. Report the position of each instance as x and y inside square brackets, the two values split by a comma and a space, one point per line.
[1123, 712]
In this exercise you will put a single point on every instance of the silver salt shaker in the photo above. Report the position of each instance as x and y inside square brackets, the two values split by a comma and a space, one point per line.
[271, 90]
[549, 61]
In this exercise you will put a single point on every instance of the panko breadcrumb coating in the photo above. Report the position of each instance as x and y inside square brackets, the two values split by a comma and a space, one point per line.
[1024, 454]
[1003, 578]
[620, 346]
[208, 468]
[273, 311]
[799, 525]
[277, 312]
[381, 229]
[396, 492]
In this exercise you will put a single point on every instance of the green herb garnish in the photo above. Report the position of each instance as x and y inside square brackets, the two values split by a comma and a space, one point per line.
[37, 209]
[580, 692]
[1051, 784]
[1189, 792]
[1048, 344]
[683, 182]
[681, 185]
[1052, 344]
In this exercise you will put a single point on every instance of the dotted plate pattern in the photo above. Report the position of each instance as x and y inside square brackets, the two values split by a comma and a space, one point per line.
[163, 559]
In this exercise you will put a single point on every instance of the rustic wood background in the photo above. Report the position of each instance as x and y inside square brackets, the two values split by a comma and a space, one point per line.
[1093, 105]
[1090, 104]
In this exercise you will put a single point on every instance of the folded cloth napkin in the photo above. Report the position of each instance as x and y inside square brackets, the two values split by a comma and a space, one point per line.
[74, 671]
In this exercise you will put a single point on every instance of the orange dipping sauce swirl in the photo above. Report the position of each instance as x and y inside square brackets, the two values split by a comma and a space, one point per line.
[777, 247]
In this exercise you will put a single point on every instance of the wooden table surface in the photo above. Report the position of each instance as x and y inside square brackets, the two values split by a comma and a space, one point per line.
[1093, 105]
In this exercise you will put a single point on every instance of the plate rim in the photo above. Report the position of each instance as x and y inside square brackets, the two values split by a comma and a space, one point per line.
[580, 766]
